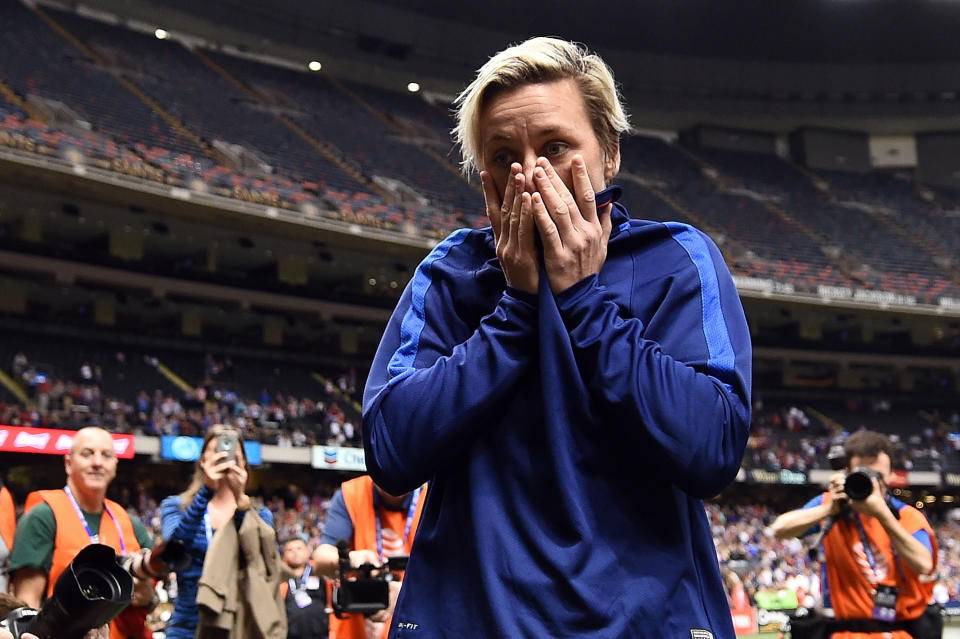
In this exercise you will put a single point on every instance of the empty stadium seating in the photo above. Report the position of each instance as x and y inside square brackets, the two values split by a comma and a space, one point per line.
[317, 145]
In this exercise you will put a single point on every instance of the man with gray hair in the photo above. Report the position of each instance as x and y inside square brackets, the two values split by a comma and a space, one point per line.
[571, 382]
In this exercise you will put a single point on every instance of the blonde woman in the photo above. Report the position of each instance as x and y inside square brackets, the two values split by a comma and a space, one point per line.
[215, 498]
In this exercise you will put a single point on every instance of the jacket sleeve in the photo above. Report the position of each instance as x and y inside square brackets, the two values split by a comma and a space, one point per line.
[680, 383]
[436, 381]
[182, 524]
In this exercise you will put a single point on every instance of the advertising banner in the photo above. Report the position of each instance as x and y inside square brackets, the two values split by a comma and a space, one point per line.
[951, 480]
[338, 458]
[744, 620]
[51, 441]
[772, 620]
[183, 448]
[898, 479]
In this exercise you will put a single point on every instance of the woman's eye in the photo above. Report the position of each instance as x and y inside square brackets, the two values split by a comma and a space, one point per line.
[501, 159]
[555, 148]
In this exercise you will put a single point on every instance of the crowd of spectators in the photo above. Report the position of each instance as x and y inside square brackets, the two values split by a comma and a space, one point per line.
[272, 417]
[752, 558]
[789, 438]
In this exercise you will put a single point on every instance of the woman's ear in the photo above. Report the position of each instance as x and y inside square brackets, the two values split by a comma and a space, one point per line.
[611, 165]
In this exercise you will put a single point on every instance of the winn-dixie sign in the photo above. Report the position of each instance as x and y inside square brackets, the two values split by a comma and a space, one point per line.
[760, 476]
[51, 441]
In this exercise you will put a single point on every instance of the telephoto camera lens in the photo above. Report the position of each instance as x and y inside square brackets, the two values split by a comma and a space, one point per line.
[858, 485]
[96, 584]
[89, 593]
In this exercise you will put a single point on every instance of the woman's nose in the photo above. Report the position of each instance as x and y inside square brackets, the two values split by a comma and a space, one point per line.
[529, 164]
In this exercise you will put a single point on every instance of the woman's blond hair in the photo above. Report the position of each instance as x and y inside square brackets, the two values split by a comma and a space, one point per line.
[541, 60]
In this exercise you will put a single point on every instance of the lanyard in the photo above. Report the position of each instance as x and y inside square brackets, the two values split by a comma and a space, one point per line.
[95, 539]
[868, 551]
[207, 527]
[406, 527]
[303, 580]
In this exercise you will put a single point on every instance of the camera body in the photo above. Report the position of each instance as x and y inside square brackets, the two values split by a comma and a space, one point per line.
[19, 620]
[858, 483]
[364, 590]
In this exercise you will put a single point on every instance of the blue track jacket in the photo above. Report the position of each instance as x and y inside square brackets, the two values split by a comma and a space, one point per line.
[567, 439]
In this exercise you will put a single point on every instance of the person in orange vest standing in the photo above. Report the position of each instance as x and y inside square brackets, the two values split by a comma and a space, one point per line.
[8, 525]
[57, 524]
[377, 525]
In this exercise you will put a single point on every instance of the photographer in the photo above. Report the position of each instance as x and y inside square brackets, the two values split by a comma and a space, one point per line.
[377, 525]
[880, 552]
[57, 524]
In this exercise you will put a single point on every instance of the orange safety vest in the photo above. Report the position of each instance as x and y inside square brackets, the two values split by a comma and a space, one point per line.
[8, 517]
[72, 535]
[358, 496]
[851, 593]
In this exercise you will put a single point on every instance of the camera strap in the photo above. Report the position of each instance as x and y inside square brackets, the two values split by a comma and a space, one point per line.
[95, 539]
[406, 527]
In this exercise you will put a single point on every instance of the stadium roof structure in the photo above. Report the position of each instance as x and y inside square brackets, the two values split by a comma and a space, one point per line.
[773, 65]
[829, 31]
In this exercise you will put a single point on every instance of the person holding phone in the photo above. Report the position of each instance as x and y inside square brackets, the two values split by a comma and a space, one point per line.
[215, 498]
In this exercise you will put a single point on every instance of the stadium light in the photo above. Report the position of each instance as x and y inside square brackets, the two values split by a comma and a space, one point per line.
[413, 87]
[314, 65]
[161, 34]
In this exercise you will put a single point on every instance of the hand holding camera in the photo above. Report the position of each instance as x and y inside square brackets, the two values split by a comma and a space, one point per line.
[362, 585]
[838, 498]
[863, 488]
[859, 490]
[363, 557]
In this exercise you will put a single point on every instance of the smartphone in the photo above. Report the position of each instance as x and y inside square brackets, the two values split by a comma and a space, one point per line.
[227, 442]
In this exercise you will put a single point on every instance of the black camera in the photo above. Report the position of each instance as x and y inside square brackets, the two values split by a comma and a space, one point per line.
[95, 588]
[859, 484]
[364, 590]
